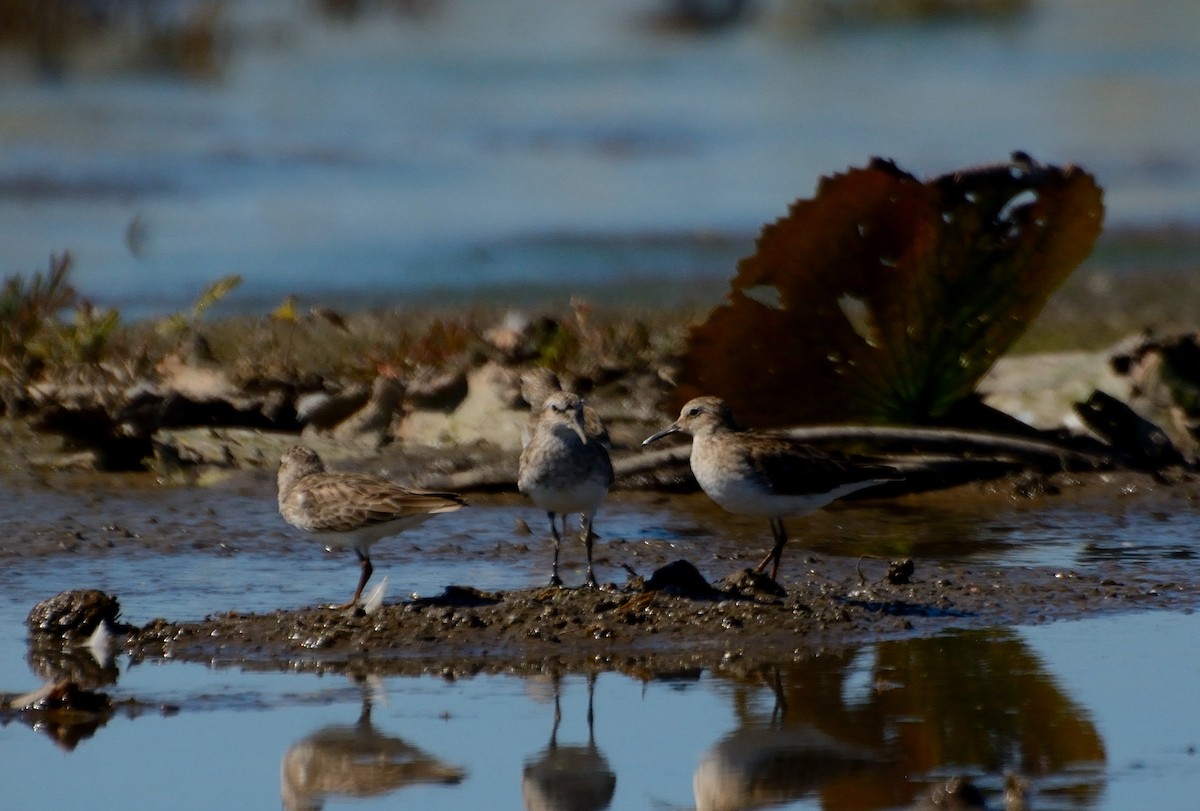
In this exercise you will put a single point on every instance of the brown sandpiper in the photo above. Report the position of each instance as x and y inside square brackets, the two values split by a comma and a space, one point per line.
[351, 509]
[757, 473]
[565, 470]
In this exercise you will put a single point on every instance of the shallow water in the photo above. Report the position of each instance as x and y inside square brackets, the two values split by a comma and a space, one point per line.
[1072, 705]
[482, 146]
[1087, 709]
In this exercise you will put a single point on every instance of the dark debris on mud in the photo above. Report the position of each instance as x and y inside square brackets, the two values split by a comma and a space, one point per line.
[738, 624]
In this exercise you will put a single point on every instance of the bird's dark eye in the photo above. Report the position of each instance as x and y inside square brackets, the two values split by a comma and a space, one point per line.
[694, 411]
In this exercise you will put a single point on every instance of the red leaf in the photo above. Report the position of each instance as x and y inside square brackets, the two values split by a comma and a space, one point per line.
[884, 298]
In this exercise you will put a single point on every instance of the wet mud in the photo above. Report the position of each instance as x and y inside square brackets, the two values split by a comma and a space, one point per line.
[652, 614]
[465, 631]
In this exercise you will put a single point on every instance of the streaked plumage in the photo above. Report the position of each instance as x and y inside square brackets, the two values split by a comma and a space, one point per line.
[563, 470]
[350, 509]
[355, 761]
[762, 474]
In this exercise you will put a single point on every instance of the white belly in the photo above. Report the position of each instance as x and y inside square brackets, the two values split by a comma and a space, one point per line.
[744, 495]
[578, 497]
[364, 538]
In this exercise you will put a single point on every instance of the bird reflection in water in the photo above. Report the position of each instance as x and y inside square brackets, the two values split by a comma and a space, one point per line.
[904, 722]
[762, 765]
[355, 760]
[569, 778]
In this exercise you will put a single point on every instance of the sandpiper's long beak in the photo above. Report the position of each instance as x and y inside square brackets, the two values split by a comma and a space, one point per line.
[670, 429]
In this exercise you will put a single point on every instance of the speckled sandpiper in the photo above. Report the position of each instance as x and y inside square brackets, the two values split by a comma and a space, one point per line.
[538, 383]
[351, 509]
[763, 474]
[564, 470]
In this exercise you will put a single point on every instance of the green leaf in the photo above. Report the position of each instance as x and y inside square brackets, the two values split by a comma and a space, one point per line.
[214, 293]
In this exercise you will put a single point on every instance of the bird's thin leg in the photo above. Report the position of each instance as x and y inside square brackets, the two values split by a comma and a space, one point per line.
[555, 580]
[776, 552]
[780, 708]
[557, 715]
[367, 569]
[591, 716]
[585, 526]
[780, 540]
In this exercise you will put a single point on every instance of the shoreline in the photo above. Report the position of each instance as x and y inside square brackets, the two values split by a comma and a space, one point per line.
[464, 632]
[669, 616]
[673, 270]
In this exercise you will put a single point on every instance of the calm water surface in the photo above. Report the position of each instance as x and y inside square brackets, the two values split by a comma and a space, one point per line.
[1097, 712]
[482, 146]
[500, 144]
[1090, 710]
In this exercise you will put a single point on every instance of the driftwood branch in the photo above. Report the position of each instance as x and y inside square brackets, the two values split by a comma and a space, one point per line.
[944, 455]
[972, 445]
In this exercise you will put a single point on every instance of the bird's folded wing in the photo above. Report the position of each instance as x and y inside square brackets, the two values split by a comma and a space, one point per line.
[792, 468]
[347, 503]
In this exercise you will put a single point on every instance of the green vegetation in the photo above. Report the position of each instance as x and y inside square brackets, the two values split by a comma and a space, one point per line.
[186, 324]
[32, 334]
[1133, 283]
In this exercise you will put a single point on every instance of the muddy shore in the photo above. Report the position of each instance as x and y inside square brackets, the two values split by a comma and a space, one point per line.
[668, 617]
[631, 629]
[459, 430]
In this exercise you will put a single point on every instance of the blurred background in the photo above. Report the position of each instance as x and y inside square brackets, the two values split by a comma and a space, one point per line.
[396, 152]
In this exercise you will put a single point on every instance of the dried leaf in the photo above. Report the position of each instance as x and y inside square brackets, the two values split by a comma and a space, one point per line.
[884, 298]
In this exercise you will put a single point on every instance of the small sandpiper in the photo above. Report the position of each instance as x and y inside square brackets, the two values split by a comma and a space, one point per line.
[351, 509]
[564, 470]
[763, 474]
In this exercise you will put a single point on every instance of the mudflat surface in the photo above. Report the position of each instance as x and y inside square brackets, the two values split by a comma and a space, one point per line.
[465, 631]
[1115, 541]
